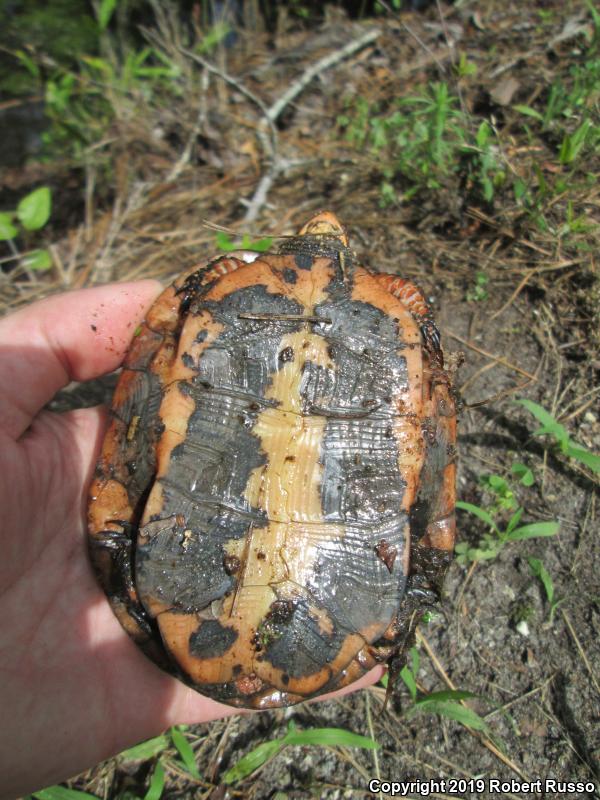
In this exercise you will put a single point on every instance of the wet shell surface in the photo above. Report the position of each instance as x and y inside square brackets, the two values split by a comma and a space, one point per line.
[274, 500]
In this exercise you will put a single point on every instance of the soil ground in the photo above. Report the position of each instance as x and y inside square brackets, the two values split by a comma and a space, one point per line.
[532, 331]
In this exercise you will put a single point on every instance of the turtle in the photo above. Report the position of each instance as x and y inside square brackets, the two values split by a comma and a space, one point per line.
[273, 505]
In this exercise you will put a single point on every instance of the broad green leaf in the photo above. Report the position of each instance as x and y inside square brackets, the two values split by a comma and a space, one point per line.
[145, 750]
[105, 13]
[62, 793]
[591, 460]
[447, 703]
[479, 512]
[224, 241]
[415, 660]
[498, 484]
[332, 737]
[523, 473]
[157, 783]
[550, 425]
[37, 259]
[33, 210]
[533, 530]
[454, 710]
[7, 229]
[539, 570]
[409, 681]
[252, 761]
[529, 112]
[185, 751]
[329, 737]
[262, 245]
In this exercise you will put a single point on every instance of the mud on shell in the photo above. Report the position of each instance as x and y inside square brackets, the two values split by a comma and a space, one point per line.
[275, 493]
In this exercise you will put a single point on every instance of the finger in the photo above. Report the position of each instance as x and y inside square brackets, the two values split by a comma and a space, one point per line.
[73, 336]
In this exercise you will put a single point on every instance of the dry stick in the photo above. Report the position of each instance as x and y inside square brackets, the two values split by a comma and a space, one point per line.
[367, 699]
[417, 38]
[515, 294]
[278, 164]
[468, 577]
[189, 145]
[520, 698]
[581, 650]
[320, 66]
[498, 359]
[482, 738]
[270, 145]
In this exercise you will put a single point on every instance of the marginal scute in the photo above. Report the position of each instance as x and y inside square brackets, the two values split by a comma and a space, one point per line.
[275, 494]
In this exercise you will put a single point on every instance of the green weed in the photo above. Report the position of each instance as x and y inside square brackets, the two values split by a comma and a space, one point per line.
[145, 751]
[559, 436]
[478, 291]
[31, 214]
[323, 737]
[539, 570]
[422, 141]
[502, 516]
[224, 242]
[447, 703]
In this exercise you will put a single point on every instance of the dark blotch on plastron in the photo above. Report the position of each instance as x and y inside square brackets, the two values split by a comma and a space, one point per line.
[231, 564]
[354, 585]
[303, 260]
[281, 610]
[289, 275]
[185, 573]
[287, 354]
[211, 639]
[187, 360]
[296, 645]
[185, 388]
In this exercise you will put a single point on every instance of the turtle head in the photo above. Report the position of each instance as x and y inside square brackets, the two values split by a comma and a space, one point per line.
[325, 223]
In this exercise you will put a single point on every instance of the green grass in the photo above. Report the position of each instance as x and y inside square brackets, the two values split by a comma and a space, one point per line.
[558, 437]
[427, 141]
[501, 514]
[320, 737]
[224, 242]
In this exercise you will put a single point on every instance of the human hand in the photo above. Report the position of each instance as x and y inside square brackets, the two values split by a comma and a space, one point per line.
[74, 689]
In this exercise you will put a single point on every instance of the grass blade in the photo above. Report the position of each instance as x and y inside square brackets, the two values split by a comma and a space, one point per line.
[157, 783]
[185, 751]
[479, 512]
[533, 530]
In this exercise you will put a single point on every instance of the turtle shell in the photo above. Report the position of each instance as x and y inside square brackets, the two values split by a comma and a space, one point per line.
[275, 493]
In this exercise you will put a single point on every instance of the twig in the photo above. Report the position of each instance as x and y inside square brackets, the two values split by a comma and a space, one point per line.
[278, 165]
[581, 650]
[498, 359]
[367, 698]
[522, 283]
[519, 699]
[417, 38]
[189, 145]
[320, 66]
[270, 114]
[269, 145]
